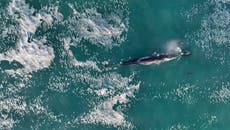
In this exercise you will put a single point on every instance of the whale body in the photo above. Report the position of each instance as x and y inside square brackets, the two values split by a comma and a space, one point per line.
[148, 60]
[153, 59]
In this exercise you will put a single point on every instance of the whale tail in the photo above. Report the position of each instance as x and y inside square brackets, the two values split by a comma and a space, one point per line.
[126, 62]
[112, 65]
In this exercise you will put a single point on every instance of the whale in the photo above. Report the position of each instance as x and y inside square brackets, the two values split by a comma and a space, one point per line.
[153, 59]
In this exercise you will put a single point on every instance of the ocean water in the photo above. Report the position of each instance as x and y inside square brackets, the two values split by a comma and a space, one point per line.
[53, 53]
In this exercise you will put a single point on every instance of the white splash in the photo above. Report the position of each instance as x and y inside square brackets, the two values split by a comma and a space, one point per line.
[32, 55]
[173, 47]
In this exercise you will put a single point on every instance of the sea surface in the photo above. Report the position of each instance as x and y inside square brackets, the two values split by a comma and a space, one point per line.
[53, 55]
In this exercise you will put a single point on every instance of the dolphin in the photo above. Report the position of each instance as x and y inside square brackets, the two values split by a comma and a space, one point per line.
[153, 59]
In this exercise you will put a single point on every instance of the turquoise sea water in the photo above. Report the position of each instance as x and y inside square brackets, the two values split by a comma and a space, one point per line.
[53, 53]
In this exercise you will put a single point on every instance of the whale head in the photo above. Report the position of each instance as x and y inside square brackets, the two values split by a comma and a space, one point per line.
[185, 53]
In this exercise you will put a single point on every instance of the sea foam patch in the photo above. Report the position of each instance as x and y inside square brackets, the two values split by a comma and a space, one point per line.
[74, 61]
[117, 89]
[222, 95]
[31, 53]
[13, 110]
[8, 30]
[111, 90]
[98, 28]
[213, 36]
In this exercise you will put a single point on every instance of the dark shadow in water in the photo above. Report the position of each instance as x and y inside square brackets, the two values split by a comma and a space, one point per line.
[7, 65]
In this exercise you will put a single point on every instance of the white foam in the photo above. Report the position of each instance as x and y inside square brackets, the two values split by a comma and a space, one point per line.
[59, 83]
[97, 28]
[32, 55]
[109, 90]
[18, 106]
[13, 104]
[215, 27]
[5, 28]
[104, 112]
[74, 61]
[6, 122]
[179, 126]
[37, 107]
[223, 1]
[10, 105]
[213, 35]
[184, 93]
[223, 94]
[203, 121]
